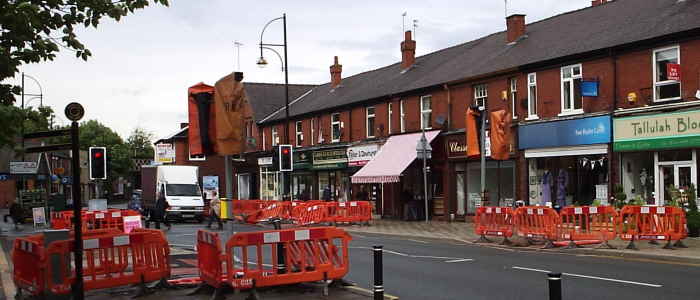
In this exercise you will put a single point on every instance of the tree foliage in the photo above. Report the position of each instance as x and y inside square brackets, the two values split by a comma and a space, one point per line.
[11, 119]
[140, 143]
[32, 31]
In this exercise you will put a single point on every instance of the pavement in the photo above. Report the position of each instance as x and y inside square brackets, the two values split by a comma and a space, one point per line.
[439, 261]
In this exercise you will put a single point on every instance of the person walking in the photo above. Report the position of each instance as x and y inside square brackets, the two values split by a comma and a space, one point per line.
[158, 213]
[214, 211]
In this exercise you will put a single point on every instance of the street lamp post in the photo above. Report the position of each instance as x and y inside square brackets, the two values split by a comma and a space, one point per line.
[41, 103]
[262, 63]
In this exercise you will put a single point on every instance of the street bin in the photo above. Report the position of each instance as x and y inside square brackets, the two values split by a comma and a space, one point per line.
[225, 203]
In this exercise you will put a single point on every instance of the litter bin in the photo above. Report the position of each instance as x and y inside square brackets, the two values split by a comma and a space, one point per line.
[224, 213]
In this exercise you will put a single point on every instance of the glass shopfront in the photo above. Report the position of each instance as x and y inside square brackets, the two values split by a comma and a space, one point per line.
[270, 180]
[333, 179]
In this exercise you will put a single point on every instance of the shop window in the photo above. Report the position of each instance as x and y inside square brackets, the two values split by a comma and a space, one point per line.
[500, 184]
[299, 134]
[402, 112]
[275, 137]
[571, 100]
[426, 111]
[664, 88]
[637, 175]
[335, 127]
[369, 124]
[532, 96]
[389, 119]
[676, 155]
[514, 96]
[568, 180]
[481, 94]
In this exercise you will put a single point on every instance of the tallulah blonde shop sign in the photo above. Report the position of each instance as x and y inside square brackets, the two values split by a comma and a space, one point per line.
[660, 131]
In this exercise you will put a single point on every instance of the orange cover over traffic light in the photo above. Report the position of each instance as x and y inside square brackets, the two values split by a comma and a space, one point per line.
[473, 134]
[500, 135]
[201, 138]
[229, 103]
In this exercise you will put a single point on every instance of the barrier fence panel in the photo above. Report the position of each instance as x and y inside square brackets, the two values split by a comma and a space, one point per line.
[537, 222]
[587, 224]
[27, 256]
[494, 221]
[210, 259]
[314, 213]
[354, 212]
[278, 209]
[281, 257]
[111, 218]
[663, 223]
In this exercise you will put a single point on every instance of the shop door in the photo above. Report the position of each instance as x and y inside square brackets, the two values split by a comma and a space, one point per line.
[680, 175]
[461, 199]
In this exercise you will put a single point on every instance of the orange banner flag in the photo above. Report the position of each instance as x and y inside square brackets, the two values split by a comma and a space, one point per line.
[500, 135]
[472, 132]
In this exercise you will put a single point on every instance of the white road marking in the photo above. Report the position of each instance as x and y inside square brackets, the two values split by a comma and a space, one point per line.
[448, 259]
[418, 241]
[594, 277]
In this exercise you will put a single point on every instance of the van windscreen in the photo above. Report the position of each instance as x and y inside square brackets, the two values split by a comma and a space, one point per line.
[183, 190]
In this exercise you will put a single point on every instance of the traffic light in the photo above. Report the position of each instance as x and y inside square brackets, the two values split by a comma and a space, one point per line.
[285, 158]
[98, 163]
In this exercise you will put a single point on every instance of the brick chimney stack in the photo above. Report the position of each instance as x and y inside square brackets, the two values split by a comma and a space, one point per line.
[336, 69]
[408, 51]
[516, 27]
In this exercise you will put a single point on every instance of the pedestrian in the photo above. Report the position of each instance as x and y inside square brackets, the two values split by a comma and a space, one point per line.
[158, 213]
[326, 193]
[214, 211]
[15, 214]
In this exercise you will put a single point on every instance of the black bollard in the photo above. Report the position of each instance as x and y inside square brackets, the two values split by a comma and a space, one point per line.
[281, 267]
[554, 286]
[378, 273]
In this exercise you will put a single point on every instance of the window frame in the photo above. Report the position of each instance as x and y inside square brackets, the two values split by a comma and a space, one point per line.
[299, 133]
[423, 111]
[274, 135]
[374, 119]
[482, 87]
[334, 123]
[390, 113]
[195, 158]
[572, 92]
[513, 94]
[402, 112]
[530, 85]
[657, 84]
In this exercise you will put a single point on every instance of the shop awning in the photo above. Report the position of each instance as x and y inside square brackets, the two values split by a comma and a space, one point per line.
[393, 158]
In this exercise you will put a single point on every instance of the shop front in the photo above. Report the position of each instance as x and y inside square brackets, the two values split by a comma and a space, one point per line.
[657, 154]
[359, 156]
[303, 177]
[567, 161]
[270, 180]
[333, 177]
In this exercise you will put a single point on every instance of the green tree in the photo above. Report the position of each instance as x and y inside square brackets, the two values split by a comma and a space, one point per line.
[119, 163]
[34, 120]
[140, 143]
[32, 31]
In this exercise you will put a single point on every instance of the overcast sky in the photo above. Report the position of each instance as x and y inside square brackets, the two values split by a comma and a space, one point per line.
[142, 66]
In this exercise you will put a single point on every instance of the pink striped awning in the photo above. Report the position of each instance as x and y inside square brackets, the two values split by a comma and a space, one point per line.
[393, 158]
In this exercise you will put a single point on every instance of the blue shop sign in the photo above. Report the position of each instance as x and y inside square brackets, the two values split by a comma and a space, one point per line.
[587, 131]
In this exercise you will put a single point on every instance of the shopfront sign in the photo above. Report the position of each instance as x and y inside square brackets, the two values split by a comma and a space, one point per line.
[165, 153]
[361, 155]
[456, 146]
[330, 159]
[660, 131]
[302, 160]
[587, 131]
[23, 167]
[265, 161]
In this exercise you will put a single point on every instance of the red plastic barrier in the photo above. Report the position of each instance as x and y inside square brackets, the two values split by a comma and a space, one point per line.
[663, 223]
[91, 220]
[27, 254]
[209, 258]
[494, 221]
[587, 223]
[278, 209]
[537, 222]
[313, 213]
[353, 212]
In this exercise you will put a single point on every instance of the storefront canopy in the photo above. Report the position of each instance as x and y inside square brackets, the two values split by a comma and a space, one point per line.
[393, 158]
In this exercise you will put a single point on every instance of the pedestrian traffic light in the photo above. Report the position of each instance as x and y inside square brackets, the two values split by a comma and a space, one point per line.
[285, 158]
[98, 163]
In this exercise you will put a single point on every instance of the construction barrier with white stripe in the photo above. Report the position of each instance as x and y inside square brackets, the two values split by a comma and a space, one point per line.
[315, 212]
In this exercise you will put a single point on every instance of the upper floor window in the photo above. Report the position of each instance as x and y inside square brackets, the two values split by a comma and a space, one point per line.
[571, 102]
[481, 94]
[426, 111]
[513, 83]
[532, 96]
[666, 88]
[402, 112]
[370, 116]
[299, 134]
[390, 113]
[313, 130]
[275, 137]
[335, 127]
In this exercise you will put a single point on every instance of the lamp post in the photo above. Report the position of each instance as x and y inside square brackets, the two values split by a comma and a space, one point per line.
[41, 103]
[424, 151]
[262, 62]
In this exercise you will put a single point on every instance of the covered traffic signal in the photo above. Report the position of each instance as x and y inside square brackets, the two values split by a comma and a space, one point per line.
[98, 163]
[285, 158]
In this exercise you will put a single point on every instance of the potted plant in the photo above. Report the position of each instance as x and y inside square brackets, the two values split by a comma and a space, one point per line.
[693, 216]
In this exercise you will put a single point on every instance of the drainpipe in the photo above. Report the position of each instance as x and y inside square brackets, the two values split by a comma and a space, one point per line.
[449, 106]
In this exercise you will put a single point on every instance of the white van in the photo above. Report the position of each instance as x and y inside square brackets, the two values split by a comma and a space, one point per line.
[181, 187]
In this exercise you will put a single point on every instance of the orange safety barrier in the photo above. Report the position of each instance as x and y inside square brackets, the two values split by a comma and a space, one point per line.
[91, 220]
[353, 212]
[664, 223]
[494, 221]
[209, 259]
[249, 207]
[278, 209]
[313, 254]
[313, 213]
[587, 223]
[111, 259]
[537, 222]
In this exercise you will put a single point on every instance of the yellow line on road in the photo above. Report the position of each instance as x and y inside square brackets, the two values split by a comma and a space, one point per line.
[7, 285]
[367, 292]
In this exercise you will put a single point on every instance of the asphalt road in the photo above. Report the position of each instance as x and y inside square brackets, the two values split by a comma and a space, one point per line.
[442, 269]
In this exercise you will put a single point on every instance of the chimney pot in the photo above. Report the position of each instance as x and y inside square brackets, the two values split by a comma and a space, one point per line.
[408, 51]
[516, 27]
[336, 70]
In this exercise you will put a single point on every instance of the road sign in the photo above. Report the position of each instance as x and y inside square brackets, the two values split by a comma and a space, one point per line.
[23, 167]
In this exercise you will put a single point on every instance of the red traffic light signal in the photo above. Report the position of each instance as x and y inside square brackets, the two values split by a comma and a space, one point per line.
[98, 154]
[98, 163]
[285, 158]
